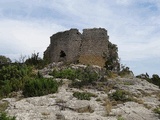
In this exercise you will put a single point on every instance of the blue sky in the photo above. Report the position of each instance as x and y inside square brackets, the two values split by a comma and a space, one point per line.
[26, 27]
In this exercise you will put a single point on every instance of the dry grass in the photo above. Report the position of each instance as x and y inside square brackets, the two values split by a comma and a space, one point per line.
[85, 109]
[45, 113]
[139, 101]
[157, 94]
[111, 74]
[108, 106]
[147, 106]
[3, 106]
[144, 93]
[60, 101]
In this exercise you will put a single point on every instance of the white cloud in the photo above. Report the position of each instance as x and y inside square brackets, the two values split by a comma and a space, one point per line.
[25, 37]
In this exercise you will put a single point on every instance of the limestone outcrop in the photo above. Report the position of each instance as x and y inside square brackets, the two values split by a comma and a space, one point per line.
[90, 47]
[63, 105]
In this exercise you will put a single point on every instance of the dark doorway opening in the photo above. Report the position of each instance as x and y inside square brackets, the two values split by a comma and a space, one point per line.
[62, 54]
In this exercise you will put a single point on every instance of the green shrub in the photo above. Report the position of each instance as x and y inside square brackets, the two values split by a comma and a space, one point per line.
[3, 116]
[66, 74]
[124, 71]
[85, 76]
[120, 118]
[85, 79]
[4, 60]
[12, 78]
[5, 89]
[113, 62]
[83, 95]
[39, 87]
[120, 95]
[18, 71]
[36, 61]
[155, 79]
[157, 110]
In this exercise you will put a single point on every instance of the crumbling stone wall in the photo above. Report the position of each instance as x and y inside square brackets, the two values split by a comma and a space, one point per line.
[64, 46]
[90, 47]
[94, 46]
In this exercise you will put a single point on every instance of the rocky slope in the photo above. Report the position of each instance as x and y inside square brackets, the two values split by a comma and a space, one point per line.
[141, 98]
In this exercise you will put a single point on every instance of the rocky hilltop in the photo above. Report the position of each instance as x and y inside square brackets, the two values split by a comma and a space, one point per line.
[76, 85]
[109, 97]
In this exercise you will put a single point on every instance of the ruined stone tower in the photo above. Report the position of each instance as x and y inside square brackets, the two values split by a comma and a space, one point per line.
[64, 46]
[90, 47]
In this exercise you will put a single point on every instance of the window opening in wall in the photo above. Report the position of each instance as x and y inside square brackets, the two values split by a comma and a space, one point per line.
[62, 54]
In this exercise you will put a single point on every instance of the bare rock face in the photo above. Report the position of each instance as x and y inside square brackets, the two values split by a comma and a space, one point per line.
[64, 106]
[72, 46]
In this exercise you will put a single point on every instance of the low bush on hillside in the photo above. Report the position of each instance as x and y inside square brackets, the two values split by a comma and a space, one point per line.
[16, 77]
[155, 79]
[4, 60]
[157, 110]
[108, 106]
[83, 95]
[3, 106]
[39, 87]
[120, 95]
[15, 71]
[87, 78]
[79, 77]
[3, 116]
[36, 61]
[124, 71]
[65, 73]
[120, 118]
[12, 78]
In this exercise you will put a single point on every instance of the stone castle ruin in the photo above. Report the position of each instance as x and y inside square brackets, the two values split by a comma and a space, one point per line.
[90, 47]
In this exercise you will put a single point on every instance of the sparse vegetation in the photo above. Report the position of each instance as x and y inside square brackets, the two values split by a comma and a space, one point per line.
[12, 78]
[121, 96]
[36, 61]
[79, 77]
[3, 116]
[4, 60]
[157, 110]
[39, 87]
[111, 74]
[22, 76]
[124, 71]
[85, 109]
[108, 106]
[83, 95]
[3, 106]
[65, 73]
[112, 62]
[155, 79]
[120, 118]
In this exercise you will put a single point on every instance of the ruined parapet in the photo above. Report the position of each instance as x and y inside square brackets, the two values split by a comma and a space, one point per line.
[94, 46]
[90, 47]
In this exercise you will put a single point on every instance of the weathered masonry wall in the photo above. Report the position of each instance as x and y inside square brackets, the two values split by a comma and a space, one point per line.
[90, 47]
[94, 46]
[64, 46]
